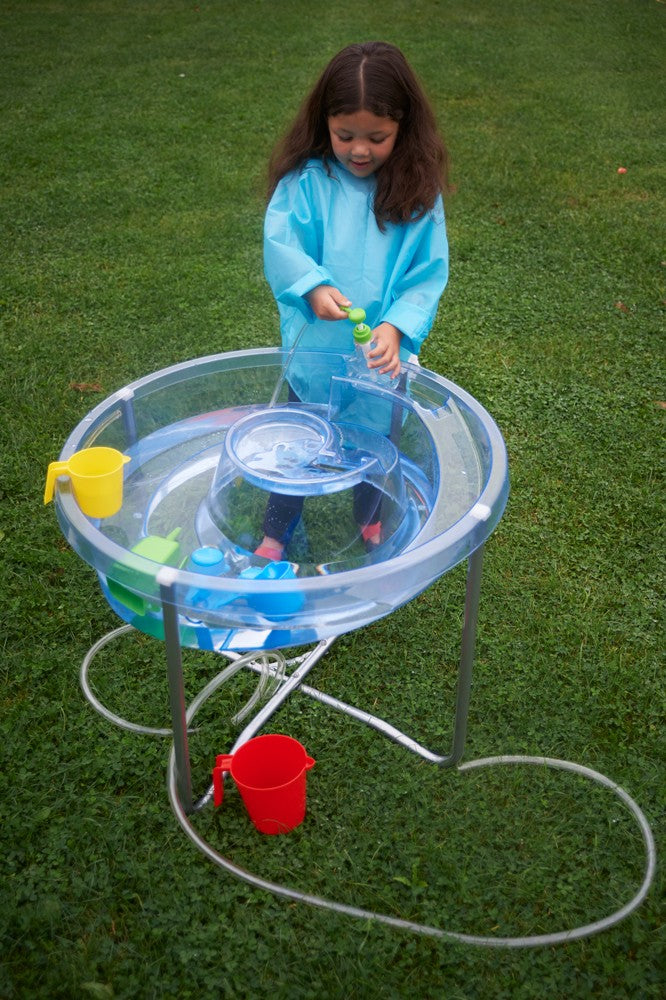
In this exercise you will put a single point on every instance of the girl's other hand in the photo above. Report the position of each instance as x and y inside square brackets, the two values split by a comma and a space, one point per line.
[385, 354]
[325, 302]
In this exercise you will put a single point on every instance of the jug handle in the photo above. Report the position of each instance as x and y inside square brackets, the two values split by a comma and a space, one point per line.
[309, 762]
[55, 469]
[222, 764]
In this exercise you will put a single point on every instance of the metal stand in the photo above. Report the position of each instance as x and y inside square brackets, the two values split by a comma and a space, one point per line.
[295, 681]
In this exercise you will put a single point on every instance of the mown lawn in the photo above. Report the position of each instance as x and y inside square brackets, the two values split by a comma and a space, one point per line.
[135, 141]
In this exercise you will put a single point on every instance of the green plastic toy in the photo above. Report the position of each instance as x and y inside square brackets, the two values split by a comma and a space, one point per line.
[126, 578]
[354, 315]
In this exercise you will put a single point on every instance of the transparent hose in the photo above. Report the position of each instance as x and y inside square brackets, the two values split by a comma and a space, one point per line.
[271, 667]
[106, 713]
[558, 937]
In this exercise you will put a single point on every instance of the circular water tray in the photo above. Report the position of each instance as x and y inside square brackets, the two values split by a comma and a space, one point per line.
[206, 453]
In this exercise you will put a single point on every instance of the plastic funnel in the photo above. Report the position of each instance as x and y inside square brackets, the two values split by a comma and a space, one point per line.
[269, 772]
[97, 480]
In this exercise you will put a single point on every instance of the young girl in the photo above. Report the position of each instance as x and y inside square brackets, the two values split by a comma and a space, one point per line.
[355, 217]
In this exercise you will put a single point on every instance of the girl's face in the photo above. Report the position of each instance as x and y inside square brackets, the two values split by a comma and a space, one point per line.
[362, 142]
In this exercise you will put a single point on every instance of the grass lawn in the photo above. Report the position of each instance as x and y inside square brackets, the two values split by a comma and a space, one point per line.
[135, 137]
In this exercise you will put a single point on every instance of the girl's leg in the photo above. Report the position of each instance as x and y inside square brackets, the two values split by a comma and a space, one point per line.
[367, 513]
[281, 517]
[367, 498]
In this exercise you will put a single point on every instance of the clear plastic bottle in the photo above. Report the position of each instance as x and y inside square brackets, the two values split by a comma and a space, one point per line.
[363, 342]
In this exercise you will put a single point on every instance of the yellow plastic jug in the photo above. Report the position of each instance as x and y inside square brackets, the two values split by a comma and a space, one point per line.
[97, 480]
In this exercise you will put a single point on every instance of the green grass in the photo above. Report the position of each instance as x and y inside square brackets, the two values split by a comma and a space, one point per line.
[135, 141]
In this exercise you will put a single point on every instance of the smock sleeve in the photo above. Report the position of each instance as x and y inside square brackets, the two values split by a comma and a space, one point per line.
[416, 292]
[293, 233]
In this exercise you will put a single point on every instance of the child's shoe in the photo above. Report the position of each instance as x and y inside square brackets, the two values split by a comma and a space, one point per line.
[372, 536]
[272, 552]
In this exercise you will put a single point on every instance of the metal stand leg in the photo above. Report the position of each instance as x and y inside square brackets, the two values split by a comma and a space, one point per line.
[472, 593]
[176, 688]
[294, 681]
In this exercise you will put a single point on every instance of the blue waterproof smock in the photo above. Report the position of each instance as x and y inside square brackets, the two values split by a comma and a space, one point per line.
[320, 229]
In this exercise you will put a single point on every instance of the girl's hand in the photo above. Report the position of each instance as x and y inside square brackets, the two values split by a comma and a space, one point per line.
[385, 354]
[325, 302]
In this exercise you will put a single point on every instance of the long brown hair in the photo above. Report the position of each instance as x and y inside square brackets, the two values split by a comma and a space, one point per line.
[375, 77]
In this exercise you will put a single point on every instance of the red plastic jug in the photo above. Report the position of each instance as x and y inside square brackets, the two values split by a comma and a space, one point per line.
[270, 774]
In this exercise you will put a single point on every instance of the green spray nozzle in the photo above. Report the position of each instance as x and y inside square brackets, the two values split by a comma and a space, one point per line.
[362, 333]
[354, 315]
